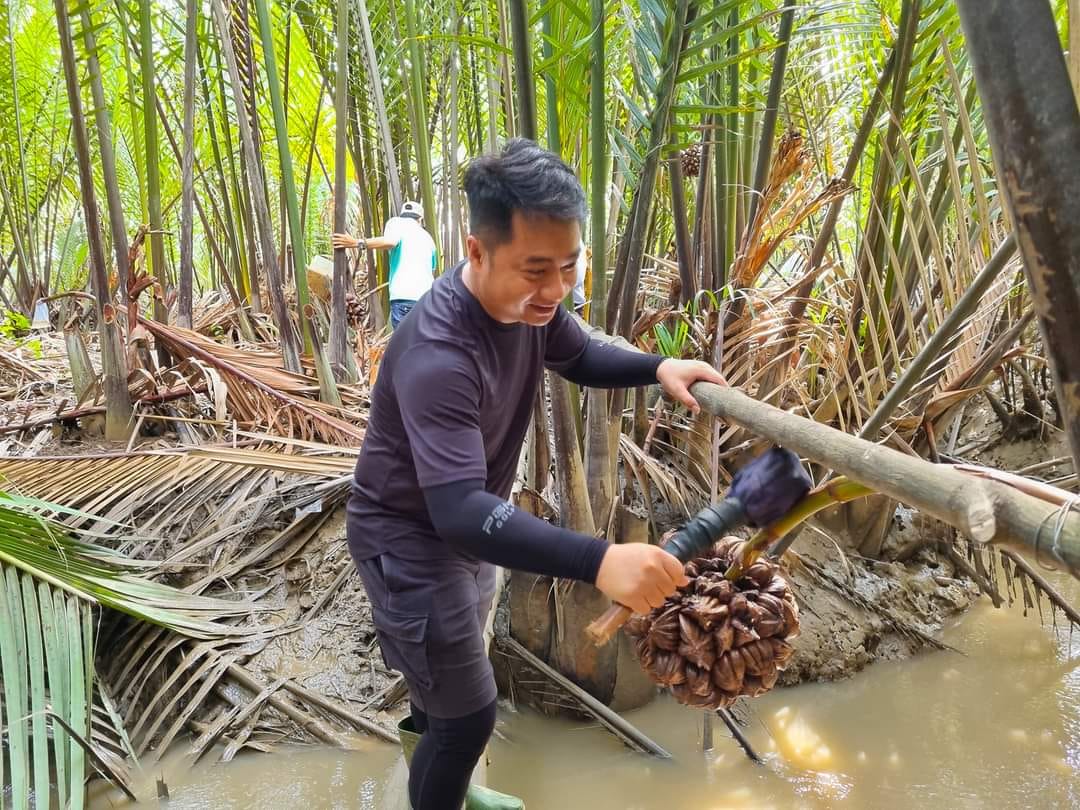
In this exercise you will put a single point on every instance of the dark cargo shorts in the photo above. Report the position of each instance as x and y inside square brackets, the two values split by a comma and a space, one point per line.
[429, 618]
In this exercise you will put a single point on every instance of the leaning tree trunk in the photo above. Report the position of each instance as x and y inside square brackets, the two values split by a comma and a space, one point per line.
[1034, 126]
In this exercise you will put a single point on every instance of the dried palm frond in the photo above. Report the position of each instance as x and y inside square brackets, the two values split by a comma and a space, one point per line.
[262, 392]
[684, 492]
[202, 495]
[780, 215]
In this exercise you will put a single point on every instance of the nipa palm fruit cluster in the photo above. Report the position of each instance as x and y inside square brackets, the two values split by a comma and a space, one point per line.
[691, 160]
[354, 310]
[716, 640]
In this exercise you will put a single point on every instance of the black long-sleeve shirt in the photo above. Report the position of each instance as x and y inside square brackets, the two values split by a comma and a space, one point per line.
[448, 419]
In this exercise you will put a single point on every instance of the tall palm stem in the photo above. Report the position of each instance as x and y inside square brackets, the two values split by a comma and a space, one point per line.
[117, 399]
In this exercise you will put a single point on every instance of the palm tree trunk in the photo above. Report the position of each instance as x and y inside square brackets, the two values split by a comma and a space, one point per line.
[339, 350]
[117, 226]
[599, 460]
[734, 197]
[772, 107]
[551, 98]
[1074, 46]
[418, 109]
[288, 183]
[187, 214]
[687, 289]
[1034, 127]
[290, 350]
[30, 252]
[22, 288]
[523, 77]
[658, 126]
[454, 250]
[288, 186]
[371, 62]
[153, 175]
[599, 159]
[114, 366]
[237, 226]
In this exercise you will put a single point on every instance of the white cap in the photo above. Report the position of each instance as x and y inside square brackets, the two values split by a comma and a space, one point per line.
[412, 209]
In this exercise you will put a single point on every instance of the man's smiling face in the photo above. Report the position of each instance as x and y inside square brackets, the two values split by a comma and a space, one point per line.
[526, 278]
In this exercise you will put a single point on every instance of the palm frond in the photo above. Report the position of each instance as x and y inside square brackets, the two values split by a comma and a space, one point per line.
[51, 583]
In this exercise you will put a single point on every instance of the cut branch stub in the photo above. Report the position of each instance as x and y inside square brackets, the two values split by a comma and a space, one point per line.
[715, 640]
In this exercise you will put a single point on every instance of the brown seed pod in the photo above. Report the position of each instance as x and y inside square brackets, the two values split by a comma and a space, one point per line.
[729, 671]
[638, 625]
[724, 637]
[668, 668]
[707, 612]
[717, 640]
[769, 676]
[770, 603]
[769, 626]
[782, 652]
[699, 680]
[665, 628]
[697, 644]
[719, 589]
[738, 605]
[744, 633]
[646, 652]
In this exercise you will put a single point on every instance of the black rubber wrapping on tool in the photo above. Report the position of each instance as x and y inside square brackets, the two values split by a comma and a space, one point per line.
[705, 528]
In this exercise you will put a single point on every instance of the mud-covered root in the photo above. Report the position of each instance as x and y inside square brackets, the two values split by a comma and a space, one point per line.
[716, 640]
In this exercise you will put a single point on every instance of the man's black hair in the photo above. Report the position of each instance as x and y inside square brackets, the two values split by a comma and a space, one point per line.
[522, 177]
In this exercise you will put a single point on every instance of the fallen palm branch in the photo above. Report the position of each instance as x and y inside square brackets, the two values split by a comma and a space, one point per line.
[261, 391]
[1042, 586]
[50, 583]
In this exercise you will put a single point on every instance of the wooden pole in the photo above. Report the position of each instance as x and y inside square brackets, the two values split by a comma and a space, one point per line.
[987, 511]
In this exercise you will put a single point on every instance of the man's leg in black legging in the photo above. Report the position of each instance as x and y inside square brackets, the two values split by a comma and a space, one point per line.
[419, 718]
[445, 757]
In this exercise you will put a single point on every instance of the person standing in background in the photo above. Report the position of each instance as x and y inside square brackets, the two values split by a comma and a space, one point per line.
[412, 257]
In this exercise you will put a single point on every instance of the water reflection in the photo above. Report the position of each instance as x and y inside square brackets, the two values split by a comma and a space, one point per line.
[996, 727]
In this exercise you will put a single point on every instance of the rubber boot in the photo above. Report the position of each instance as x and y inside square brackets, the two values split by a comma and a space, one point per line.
[478, 797]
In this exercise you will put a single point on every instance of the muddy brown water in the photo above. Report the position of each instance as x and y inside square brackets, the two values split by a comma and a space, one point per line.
[997, 727]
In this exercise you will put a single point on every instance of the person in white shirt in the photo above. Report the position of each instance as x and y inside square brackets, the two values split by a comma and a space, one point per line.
[412, 257]
[578, 291]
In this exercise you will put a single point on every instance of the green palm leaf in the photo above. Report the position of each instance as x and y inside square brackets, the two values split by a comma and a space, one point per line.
[51, 583]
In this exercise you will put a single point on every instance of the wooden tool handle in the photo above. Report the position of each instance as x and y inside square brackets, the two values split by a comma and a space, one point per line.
[607, 625]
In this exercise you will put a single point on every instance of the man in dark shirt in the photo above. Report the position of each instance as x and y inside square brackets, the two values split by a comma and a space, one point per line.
[428, 518]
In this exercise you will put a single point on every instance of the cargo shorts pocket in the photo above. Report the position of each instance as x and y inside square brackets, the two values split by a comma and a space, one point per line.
[404, 642]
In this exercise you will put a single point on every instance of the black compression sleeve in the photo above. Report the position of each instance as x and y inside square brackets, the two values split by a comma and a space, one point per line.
[602, 365]
[493, 530]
